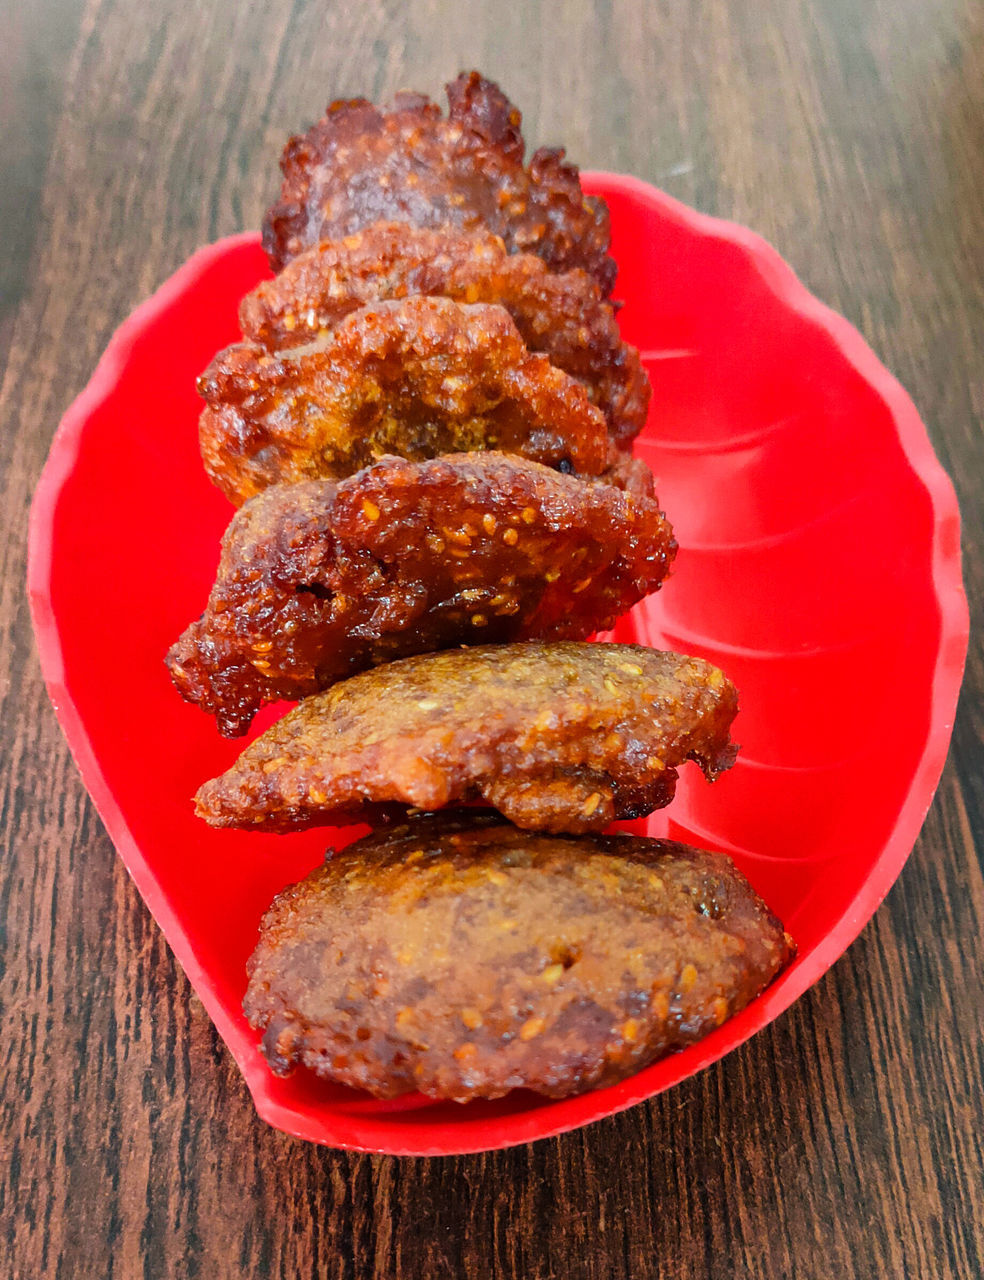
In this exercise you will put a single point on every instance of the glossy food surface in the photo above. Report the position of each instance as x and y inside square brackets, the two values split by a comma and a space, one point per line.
[416, 377]
[407, 162]
[561, 313]
[461, 957]
[819, 567]
[557, 737]
[318, 581]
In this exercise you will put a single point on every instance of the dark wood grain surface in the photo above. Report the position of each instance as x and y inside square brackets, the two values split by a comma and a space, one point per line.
[845, 1140]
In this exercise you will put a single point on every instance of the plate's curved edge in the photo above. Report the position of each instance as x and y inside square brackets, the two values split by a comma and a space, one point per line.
[570, 1113]
[946, 558]
[63, 450]
[56, 472]
[918, 449]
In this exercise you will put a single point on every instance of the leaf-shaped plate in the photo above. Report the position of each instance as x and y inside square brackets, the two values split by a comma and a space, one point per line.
[819, 566]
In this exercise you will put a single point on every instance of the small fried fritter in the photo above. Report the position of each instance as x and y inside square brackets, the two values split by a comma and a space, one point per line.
[561, 314]
[416, 378]
[558, 737]
[463, 958]
[318, 581]
[406, 163]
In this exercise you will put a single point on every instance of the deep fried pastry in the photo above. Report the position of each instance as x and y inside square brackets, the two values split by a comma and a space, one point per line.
[561, 314]
[558, 737]
[463, 958]
[406, 163]
[318, 581]
[416, 378]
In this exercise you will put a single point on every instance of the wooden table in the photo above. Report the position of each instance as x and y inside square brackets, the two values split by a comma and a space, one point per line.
[844, 1141]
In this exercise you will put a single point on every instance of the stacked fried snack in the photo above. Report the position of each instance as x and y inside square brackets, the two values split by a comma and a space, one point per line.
[427, 428]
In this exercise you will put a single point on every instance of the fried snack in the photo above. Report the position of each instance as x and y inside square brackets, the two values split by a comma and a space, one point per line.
[630, 474]
[318, 581]
[558, 737]
[417, 378]
[406, 163]
[463, 958]
[561, 314]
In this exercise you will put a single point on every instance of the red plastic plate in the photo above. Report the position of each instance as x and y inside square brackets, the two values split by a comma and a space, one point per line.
[819, 566]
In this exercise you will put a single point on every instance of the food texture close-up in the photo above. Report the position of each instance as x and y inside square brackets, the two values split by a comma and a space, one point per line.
[318, 580]
[558, 737]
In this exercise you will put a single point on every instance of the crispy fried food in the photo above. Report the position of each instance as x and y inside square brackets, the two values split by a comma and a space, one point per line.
[630, 474]
[561, 314]
[406, 163]
[558, 737]
[318, 581]
[463, 958]
[417, 378]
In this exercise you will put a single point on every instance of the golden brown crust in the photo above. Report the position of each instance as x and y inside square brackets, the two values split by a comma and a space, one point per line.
[463, 958]
[561, 314]
[416, 378]
[318, 581]
[361, 164]
[558, 737]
